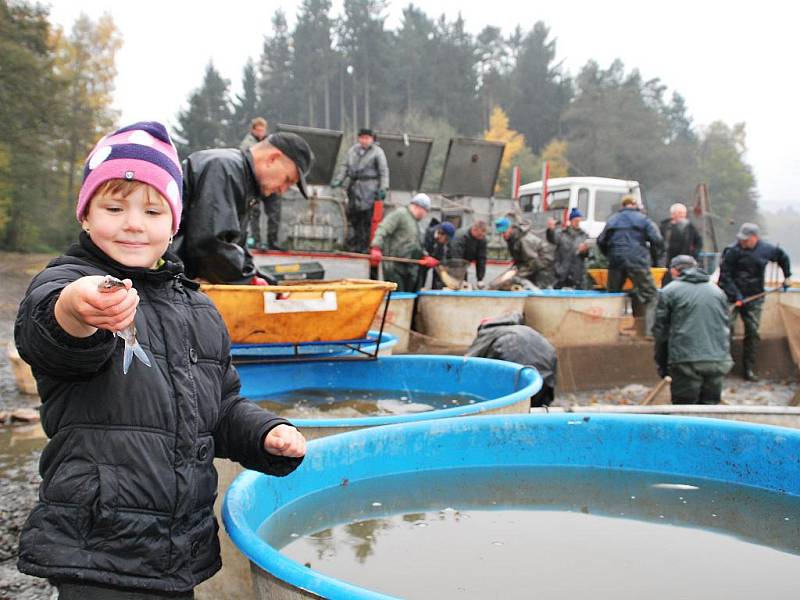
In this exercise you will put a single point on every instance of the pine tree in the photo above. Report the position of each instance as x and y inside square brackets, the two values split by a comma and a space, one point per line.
[245, 106]
[539, 91]
[278, 96]
[206, 123]
[314, 61]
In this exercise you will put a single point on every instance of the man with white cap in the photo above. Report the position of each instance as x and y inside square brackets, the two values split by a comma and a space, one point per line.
[399, 235]
[741, 276]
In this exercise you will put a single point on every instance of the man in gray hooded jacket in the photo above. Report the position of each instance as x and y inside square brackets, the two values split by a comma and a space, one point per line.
[506, 338]
[365, 175]
[691, 334]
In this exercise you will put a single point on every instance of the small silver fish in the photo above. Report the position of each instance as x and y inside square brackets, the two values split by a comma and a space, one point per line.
[132, 347]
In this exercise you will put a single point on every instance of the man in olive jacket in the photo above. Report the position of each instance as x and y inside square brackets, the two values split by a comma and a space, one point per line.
[399, 235]
[691, 334]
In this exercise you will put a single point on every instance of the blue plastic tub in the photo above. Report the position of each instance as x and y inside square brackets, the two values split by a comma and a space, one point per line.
[753, 455]
[451, 318]
[385, 342]
[576, 317]
[506, 387]
[398, 319]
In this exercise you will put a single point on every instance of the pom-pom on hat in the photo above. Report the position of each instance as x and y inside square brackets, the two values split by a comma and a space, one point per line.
[139, 152]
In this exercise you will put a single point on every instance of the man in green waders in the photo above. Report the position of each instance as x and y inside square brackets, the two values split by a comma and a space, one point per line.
[399, 235]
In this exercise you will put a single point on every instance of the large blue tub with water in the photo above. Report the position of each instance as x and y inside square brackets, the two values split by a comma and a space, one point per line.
[666, 449]
[500, 386]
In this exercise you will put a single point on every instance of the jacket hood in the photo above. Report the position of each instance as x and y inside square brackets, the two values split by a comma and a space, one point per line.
[504, 321]
[694, 276]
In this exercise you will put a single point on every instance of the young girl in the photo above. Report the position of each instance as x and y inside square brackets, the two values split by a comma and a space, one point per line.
[125, 507]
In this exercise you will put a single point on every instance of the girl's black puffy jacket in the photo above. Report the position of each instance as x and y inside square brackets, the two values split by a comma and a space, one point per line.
[128, 482]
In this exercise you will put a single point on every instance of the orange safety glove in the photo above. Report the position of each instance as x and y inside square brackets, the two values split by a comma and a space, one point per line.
[375, 256]
[429, 261]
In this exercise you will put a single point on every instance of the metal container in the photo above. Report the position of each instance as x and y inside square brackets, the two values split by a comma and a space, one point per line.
[737, 453]
[575, 317]
[452, 318]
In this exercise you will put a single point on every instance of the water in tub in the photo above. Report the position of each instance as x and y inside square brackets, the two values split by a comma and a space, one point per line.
[552, 532]
[342, 403]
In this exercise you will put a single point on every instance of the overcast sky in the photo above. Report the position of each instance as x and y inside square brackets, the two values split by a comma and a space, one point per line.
[733, 62]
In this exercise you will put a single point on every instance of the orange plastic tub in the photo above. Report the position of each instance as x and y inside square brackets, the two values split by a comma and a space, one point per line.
[325, 311]
[600, 277]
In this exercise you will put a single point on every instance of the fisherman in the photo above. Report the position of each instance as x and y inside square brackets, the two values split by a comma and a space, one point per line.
[680, 237]
[741, 276]
[437, 240]
[218, 187]
[506, 338]
[691, 334]
[272, 206]
[571, 250]
[365, 172]
[469, 244]
[532, 257]
[399, 236]
[627, 241]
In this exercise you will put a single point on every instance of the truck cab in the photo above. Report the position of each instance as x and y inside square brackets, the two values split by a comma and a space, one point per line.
[596, 197]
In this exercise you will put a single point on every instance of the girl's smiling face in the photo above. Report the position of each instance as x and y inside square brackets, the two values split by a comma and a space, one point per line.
[129, 221]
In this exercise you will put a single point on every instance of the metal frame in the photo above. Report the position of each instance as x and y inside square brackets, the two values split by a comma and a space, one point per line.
[355, 345]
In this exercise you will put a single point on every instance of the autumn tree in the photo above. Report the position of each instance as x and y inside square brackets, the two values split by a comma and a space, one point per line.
[516, 152]
[85, 66]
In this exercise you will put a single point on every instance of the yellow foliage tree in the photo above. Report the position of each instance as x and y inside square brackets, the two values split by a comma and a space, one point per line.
[85, 64]
[499, 131]
[556, 153]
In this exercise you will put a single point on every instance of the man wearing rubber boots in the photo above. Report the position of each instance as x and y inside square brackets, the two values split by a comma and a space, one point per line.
[629, 240]
[691, 334]
[365, 173]
[741, 276]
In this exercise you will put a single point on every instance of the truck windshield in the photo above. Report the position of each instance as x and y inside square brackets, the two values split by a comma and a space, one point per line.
[606, 203]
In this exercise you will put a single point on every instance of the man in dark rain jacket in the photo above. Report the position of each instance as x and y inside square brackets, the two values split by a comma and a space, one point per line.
[691, 334]
[629, 240]
[218, 187]
[741, 275]
[470, 244]
[571, 251]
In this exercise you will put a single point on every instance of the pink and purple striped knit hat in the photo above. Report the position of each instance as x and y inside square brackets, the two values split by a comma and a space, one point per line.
[139, 152]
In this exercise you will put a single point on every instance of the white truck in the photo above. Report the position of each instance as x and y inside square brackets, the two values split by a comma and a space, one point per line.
[596, 197]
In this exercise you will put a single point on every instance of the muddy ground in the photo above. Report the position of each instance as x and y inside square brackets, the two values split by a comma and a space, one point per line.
[21, 444]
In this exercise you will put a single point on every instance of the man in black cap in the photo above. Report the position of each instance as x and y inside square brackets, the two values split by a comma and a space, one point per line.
[741, 276]
[365, 173]
[691, 334]
[218, 187]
